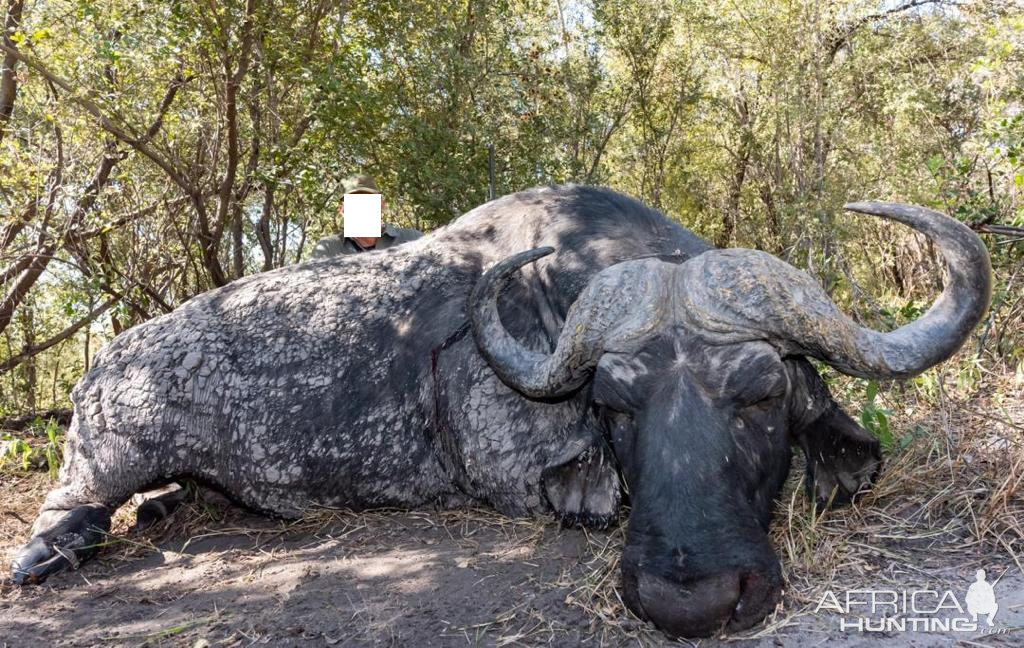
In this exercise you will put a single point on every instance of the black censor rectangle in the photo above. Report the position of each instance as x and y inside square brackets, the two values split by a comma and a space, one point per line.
[363, 215]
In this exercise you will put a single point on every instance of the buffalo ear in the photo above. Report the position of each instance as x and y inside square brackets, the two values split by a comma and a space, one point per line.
[585, 491]
[843, 459]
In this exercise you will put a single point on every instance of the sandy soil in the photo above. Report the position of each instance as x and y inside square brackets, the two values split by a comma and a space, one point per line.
[217, 575]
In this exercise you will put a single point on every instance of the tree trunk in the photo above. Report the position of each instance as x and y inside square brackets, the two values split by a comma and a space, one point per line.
[732, 206]
[741, 162]
[88, 339]
[8, 76]
[237, 256]
[29, 373]
[778, 242]
[263, 228]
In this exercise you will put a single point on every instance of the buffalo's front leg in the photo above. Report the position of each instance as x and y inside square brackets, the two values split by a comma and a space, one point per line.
[843, 458]
[74, 537]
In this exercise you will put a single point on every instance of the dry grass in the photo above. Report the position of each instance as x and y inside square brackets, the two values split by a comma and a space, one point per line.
[20, 495]
[946, 504]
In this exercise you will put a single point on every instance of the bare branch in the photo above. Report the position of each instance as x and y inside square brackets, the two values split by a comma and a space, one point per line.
[26, 280]
[12, 229]
[29, 270]
[233, 79]
[842, 38]
[46, 248]
[16, 267]
[614, 126]
[130, 217]
[176, 84]
[120, 131]
[999, 230]
[32, 350]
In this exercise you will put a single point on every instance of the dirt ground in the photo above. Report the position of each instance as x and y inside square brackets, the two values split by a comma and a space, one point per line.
[217, 575]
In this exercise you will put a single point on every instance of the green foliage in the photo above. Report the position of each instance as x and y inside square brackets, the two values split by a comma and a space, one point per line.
[969, 374]
[20, 453]
[16, 450]
[875, 419]
[749, 122]
[915, 434]
[928, 385]
[53, 449]
[895, 316]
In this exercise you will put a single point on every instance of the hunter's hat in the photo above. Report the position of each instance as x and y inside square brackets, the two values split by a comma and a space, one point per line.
[360, 184]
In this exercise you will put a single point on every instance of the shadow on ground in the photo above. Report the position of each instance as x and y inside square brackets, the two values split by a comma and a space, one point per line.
[452, 578]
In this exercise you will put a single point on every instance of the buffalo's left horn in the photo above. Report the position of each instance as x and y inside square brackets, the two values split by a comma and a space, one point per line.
[621, 304]
[738, 294]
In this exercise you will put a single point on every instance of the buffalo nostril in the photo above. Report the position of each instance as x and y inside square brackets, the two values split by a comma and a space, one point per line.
[759, 597]
[695, 609]
[732, 600]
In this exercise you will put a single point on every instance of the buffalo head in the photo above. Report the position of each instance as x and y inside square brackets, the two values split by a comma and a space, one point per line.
[697, 372]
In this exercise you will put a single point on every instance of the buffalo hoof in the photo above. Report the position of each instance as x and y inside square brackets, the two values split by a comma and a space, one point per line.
[157, 505]
[74, 539]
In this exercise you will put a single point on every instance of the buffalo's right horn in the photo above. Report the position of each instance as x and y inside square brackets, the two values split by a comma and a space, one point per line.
[619, 305]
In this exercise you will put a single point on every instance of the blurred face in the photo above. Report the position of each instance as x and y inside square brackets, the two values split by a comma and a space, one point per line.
[363, 241]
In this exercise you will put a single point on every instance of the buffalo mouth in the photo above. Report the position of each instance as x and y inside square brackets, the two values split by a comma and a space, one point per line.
[730, 600]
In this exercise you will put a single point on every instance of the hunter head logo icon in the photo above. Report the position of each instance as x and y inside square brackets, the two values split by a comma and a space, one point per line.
[981, 600]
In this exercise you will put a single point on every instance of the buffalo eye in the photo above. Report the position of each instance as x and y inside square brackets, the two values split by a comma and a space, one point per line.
[617, 383]
[755, 376]
[763, 391]
[764, 404]
[610, 403]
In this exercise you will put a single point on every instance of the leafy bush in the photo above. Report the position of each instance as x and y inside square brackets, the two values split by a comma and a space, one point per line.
[875, 419]
[18, 451]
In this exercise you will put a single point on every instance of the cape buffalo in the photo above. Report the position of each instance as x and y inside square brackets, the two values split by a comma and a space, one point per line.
[556, 349]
